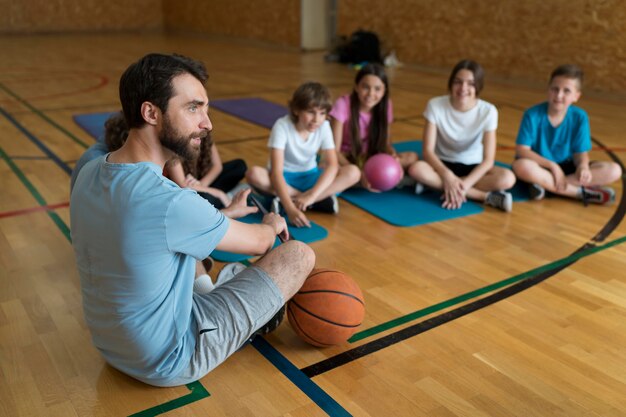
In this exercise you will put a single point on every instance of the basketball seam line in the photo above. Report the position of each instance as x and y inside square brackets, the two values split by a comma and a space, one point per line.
[323, 319]
[333, 292]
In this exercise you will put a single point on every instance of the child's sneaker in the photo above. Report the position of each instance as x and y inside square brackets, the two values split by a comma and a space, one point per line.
[500, 199]
[406, 181]
[238, 188]
[419, 188]
[536, 191]
[327, 205]
[275, 206]
[598, 195]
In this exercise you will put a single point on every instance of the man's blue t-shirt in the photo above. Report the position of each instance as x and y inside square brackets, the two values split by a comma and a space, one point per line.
[97, 149]
[137, 236]
[558, 144]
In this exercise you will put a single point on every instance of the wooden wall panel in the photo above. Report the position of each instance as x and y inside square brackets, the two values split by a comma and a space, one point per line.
[273, 21]
[44, 16]
[523, 40]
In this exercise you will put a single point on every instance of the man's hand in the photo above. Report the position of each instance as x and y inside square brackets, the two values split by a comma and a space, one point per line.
[239, 205]
[278, 224]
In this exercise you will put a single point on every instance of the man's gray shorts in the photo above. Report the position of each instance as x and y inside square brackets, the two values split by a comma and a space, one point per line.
[226, 318]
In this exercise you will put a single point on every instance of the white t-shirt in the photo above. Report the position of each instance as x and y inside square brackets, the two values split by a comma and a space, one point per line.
[460, 134]
[300, 154]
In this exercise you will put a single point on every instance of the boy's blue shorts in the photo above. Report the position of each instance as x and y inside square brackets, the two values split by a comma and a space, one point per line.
[302, 181]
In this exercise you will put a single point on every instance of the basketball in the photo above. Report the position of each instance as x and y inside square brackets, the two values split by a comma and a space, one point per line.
[383, 171]
[328, 308]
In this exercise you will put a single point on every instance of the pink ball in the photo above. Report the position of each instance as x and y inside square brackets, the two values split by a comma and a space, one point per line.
[383, 171]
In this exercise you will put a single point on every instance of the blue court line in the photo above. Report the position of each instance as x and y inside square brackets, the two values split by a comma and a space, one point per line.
[36, 195]
[42, 115]
[37, 142]
[298, 378]
[29, 158]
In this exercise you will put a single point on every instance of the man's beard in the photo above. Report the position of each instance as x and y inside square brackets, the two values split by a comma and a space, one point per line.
[176, 142]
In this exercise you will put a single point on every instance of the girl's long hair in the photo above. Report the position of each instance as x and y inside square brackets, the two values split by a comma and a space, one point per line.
[378, 128]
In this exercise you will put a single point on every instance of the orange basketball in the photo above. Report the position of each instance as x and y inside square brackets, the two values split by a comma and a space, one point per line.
[328, 308]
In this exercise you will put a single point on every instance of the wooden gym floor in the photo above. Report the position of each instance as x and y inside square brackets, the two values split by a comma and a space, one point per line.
[519, 314]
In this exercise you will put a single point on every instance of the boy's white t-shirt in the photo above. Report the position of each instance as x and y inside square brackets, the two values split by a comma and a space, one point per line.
[460, 134]
[300, 154]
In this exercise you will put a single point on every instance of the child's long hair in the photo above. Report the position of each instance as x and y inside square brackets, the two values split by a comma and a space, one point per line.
[308, 96]
[115, 131]
[378, 128]
[200, 165]
[475, 68]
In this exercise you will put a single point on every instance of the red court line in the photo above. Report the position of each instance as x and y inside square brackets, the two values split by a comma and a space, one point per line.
[102, 81]
[34, 209]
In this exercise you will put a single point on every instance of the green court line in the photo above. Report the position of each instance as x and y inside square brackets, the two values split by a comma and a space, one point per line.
[480, 291]
[33, 191]
[197, 393]
[43, 116]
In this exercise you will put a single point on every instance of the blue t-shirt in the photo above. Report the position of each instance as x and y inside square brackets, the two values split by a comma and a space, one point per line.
[558, 144]
[137, 236]
[97, 149]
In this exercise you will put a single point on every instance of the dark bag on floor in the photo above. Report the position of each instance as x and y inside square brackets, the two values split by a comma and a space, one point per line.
[362, 46]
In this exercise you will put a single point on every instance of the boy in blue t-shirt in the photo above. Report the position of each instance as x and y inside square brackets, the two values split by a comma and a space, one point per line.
[553, 144]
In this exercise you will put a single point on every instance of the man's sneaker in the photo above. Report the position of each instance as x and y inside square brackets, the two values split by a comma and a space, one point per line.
[598, 195]
[536, 191]
[228, 272]
[203, 284]
[275, 206]
[500, 199]
[419, 188]
[327, 205]
[271, 325]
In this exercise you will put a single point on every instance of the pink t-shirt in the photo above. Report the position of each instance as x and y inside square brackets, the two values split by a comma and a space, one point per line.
[341, 112]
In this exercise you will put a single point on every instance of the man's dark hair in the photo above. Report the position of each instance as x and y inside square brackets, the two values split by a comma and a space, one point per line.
[150, 79]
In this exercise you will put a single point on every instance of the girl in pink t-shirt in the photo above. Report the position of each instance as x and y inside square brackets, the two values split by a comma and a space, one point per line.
[360, 121]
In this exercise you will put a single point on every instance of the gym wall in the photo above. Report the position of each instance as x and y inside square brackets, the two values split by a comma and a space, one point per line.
[61, 16]
[522, 40]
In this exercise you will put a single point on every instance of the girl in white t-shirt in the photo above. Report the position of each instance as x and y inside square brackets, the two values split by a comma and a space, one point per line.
[293, 174]
[460, 145]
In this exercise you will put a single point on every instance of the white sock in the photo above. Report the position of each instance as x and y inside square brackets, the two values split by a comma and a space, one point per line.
[203, 284]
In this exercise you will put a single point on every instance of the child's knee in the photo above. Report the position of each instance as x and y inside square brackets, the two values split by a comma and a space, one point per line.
[417, 169]
[507, 180]
[352, 172]
[615, 172]
[523, 167]
[253, 175]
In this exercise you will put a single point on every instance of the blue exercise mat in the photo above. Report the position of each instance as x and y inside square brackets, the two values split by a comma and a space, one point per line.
[93, 123]
[402, 207]
[256, 110]
[303, 234]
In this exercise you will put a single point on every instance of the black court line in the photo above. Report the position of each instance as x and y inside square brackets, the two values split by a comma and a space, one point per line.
[416, 329]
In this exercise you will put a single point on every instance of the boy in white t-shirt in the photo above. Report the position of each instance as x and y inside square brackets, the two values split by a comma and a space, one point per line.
[293, 174]
[460, 145]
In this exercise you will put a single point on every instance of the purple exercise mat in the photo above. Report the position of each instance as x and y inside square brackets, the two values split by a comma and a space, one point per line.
[256, 110]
